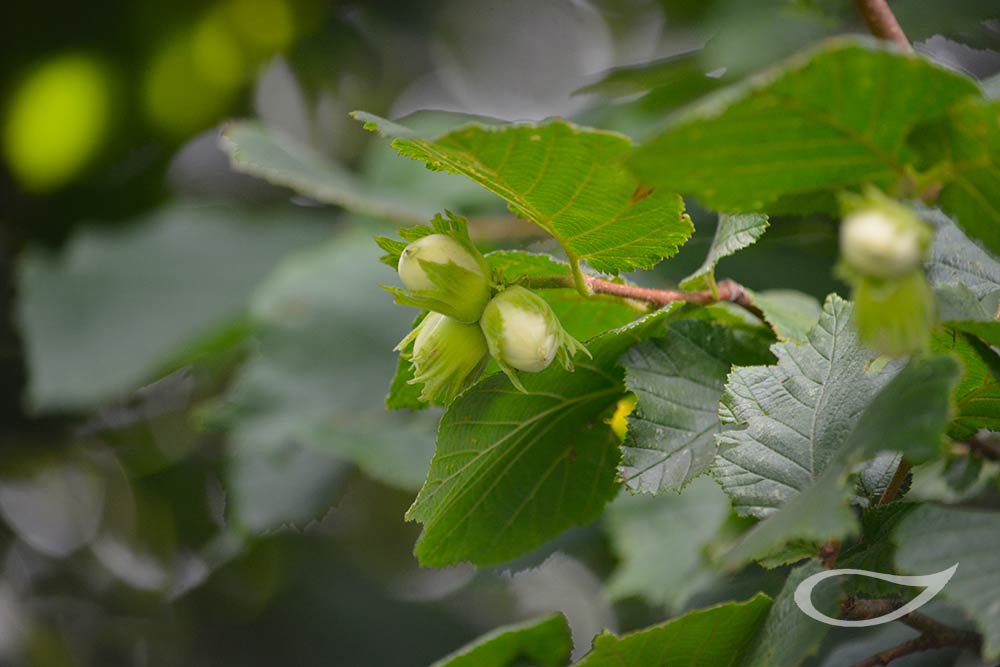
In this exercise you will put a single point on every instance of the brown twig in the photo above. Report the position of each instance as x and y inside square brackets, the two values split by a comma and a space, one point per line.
[882, 22]
[921, 643]
[983, 444]
[933, 633]
[728, 290]
[828, 552]
[896, 483]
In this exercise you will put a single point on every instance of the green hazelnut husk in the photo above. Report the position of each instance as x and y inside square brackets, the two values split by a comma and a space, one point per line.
[445, 275]
[447, 356]
[524, 334]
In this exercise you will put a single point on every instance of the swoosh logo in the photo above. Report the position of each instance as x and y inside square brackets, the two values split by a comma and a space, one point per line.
[931, 583]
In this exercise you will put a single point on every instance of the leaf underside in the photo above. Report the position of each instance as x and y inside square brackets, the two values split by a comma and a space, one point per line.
[788, 420]
[678, 380]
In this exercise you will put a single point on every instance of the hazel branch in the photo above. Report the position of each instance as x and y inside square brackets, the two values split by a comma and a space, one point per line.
[933, 633]
[896, 483]
[984, 445]
[728, 290]
[882, 22]
[828, 552]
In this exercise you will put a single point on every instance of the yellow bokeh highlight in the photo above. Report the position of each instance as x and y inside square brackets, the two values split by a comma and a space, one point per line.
[56, 121]
[619, 420]
[216, 52]
[183, 94]
[264, 25]
[196, 74]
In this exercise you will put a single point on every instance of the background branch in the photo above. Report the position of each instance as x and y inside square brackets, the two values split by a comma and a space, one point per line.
[882, 22]
[933, 633]
[896, 483]
[984, 444]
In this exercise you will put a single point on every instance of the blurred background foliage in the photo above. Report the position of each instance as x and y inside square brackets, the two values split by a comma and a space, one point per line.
[197, 467]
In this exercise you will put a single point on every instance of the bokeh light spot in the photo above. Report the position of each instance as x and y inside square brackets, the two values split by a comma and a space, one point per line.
[56, 121]
[265, 25]
[216, 52]
[180, 97]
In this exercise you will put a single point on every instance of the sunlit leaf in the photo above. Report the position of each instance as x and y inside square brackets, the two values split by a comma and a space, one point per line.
[567, 179]
[512, 470]
[833, 117]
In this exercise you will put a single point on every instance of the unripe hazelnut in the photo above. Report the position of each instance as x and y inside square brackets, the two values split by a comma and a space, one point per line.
[447, 356]
[877, 244]
[446, 276]
[524, 333]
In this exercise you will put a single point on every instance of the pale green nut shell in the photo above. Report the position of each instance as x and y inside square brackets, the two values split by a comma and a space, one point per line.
[447, 356]
[446, 276]
[876, 243]
[524, 333]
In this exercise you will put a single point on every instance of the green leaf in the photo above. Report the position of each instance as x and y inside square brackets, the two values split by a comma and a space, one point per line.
[513, 470]
[514, 265]
[876, 475]
[309, 400]
[958, 479]
[733, 233]
[790, 314]
[830, 118]
[104, 315]
[875, 550]
[956, 261]
[654, 563]
[933, 538]
[683, 71]
[966, 281]
[894, 316]
[790, 419]
[568, 180]
[908, 415]
[715, 637]
[813, 516]
[966, 148]
[258, 151]
[788, 636]
[678, 380]
[977, 395]
[404, 395]
[583, 317]
[540, 643]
